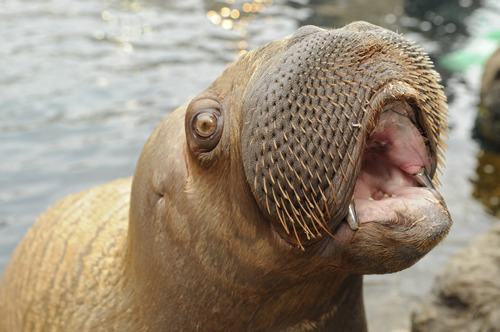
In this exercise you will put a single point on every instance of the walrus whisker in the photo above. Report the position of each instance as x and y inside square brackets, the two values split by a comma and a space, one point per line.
[287, 197]
[272, 158]
[312, 187]
[303, 210]
[343, 173]
[264, 186]
[325, 166]
[302, 146]
[283, 193]
[297, 196]
[350, 158]
[414, 222]
[335, 170]
[326, 206]
[320, 181]
[292, 221]
[297, 237]
[332, 188]
[323, 196]
[278, 205]
[281, 217]
[271, 176]
[321, 221]
[300, 211]
[267, 204]
[289, 184]
[316, 206]
[313, 217]
[302, 224]
[290, 167]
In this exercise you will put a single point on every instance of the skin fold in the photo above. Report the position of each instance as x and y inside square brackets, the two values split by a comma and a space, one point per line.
[235, 216]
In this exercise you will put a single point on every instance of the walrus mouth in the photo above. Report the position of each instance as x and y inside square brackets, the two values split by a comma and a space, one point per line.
[394, 165]
[396, 215]
[344, 121]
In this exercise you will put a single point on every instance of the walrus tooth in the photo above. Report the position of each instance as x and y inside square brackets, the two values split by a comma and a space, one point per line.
[423, 178]
[352, 217]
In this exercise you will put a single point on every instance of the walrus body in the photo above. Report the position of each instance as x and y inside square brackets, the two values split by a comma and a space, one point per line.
[236, 215]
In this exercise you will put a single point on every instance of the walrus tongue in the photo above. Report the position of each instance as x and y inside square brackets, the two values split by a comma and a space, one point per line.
[388, 183]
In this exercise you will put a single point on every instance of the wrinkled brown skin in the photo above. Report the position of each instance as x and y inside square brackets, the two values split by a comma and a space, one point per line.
[193, 250]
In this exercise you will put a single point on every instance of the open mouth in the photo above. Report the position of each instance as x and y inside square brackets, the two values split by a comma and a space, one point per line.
[394, 170]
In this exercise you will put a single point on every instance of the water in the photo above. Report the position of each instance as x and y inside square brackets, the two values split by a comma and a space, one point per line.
[83, 84]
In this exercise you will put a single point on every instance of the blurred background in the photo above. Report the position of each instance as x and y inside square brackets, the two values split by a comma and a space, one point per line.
[84, 83]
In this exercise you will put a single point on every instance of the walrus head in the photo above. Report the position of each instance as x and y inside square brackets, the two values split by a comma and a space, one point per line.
[349, 115]
[296, 133]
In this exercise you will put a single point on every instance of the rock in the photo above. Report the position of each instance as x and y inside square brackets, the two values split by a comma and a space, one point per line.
[466, 294]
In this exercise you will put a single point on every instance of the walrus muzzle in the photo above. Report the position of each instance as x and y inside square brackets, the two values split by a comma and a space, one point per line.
[346, 119]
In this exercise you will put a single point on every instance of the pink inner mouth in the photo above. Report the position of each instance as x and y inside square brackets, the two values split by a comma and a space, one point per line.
[400, 217]
[395, 151]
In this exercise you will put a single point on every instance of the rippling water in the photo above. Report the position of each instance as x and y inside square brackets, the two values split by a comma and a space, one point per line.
[83, 84]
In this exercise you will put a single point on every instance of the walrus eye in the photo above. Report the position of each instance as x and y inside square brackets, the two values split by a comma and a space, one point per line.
[204, 124]
[205, 127]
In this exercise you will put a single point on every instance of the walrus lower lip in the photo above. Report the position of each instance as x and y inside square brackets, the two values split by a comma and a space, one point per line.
[401, 208]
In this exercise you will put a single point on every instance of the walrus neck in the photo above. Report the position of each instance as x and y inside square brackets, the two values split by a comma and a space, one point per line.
[269, 302]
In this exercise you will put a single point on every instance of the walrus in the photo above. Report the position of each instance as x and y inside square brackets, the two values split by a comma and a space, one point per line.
[258, 205]
[487, 124]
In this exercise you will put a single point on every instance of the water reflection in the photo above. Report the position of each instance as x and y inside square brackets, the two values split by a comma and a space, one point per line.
[236, 15]
[440, 25]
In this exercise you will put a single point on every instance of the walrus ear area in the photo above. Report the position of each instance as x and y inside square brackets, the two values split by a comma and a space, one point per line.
[203, 125]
